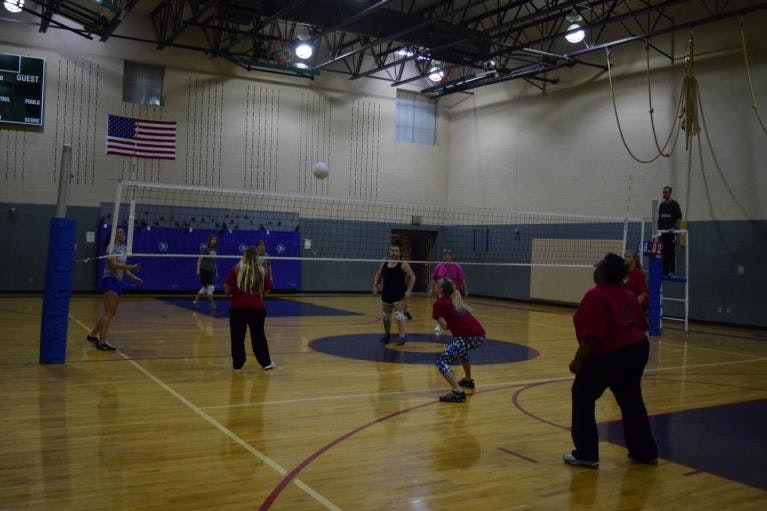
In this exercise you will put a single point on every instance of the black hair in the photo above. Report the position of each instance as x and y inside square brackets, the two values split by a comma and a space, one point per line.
[613, 268]
[670, 190]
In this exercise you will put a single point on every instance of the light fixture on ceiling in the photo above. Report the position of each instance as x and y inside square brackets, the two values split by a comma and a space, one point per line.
[303, 47]
[436, 74]
[13, 6]
[301, 65]
[405, 52]
[575, 32]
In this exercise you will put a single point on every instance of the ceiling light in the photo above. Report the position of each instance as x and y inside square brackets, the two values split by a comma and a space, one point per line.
[436, 74]
[303, 50]
[301, 65]
[13, 6]
[575, 32]
[405, 52]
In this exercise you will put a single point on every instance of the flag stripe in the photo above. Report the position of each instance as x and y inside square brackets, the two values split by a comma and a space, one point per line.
[141, 138]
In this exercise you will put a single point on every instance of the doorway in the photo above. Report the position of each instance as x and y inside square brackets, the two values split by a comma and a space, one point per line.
[417, 246]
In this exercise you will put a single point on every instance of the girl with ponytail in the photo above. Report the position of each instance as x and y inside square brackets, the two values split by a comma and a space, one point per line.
[248, 284]
[453, 314]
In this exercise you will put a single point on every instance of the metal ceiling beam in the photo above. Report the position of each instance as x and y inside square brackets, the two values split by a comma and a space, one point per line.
[180, 24]
[253, 32]
[400, 34]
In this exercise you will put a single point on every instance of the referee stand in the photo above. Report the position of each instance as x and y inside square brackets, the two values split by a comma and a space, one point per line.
[653, 249]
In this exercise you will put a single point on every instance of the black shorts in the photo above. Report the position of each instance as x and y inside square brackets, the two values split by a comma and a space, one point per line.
[207, 277]
[392, 299]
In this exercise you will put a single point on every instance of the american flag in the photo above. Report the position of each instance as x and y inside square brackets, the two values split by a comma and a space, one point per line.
[141, 138]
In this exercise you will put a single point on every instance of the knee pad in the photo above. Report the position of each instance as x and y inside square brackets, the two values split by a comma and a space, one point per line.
[400, 316]
[385, 316]
[210, 289]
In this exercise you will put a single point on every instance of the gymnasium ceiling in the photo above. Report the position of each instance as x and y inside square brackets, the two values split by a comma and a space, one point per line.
[473, 42]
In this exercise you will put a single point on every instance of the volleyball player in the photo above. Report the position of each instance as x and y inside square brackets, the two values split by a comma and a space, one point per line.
[207, 270]
[115, 268]
[454, 315]
[635, 279]
[452, 270]
[397, 280]
[248, 285]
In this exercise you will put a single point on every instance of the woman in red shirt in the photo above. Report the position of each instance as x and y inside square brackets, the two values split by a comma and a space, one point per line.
[454, 315]
[635, 279]
[248, 284]
[612, 353]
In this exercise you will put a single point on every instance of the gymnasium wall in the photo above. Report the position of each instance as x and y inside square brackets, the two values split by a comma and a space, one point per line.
[507, 146]
[561, 151]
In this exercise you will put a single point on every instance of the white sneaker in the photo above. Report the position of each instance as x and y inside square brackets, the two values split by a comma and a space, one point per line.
[437, 330]
[271, 365]
[572, 460]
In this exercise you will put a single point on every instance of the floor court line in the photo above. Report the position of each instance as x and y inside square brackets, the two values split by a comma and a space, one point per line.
[245, 445]
[487, 386]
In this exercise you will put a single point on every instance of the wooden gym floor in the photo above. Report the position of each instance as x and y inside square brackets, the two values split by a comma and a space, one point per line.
[346, 423]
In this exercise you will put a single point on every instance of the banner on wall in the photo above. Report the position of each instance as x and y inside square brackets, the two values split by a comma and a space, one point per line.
[167, 273]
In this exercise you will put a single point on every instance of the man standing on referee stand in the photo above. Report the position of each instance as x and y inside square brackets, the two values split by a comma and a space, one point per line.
[669, 218]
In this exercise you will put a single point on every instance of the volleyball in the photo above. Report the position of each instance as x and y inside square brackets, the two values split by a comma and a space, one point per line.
[320, 170]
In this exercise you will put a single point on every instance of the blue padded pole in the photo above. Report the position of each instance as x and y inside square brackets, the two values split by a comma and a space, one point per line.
[655, 308]
[58, 289]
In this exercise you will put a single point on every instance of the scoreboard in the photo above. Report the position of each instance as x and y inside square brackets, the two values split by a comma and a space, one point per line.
[22, 86]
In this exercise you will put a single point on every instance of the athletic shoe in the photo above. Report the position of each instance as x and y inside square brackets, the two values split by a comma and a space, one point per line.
[649, 461]
[93, 340]
[437, 330]
[453, 397]
[271, 365]
[570, 459]
[467, 383]
[105, 347]
[408, 315]
[401, 341]
[385, 339]
[238, 370]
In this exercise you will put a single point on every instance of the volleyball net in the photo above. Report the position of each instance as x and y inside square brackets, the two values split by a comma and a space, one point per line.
[319, 243]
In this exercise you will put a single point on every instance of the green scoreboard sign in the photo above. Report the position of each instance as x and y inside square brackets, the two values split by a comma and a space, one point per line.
[22, 84]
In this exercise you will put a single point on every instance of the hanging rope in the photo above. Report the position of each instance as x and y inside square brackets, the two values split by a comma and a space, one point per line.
[754, 106]
[690, 88]
[674, 127]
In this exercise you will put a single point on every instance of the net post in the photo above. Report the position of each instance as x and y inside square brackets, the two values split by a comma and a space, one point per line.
[116, 213]
[58, 273]
[65, 174]
[687, 283]
[131, 221]
[625, 235]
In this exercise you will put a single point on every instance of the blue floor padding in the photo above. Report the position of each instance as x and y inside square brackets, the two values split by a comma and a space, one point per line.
[727, 440]
[275, 307]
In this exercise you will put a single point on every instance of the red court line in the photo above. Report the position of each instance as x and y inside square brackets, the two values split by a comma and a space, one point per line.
[515, 400]
[288, 478]
[531, 460]
[293, 473]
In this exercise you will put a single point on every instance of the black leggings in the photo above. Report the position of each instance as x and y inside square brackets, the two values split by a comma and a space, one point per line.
[621, 372]
[239, 321]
